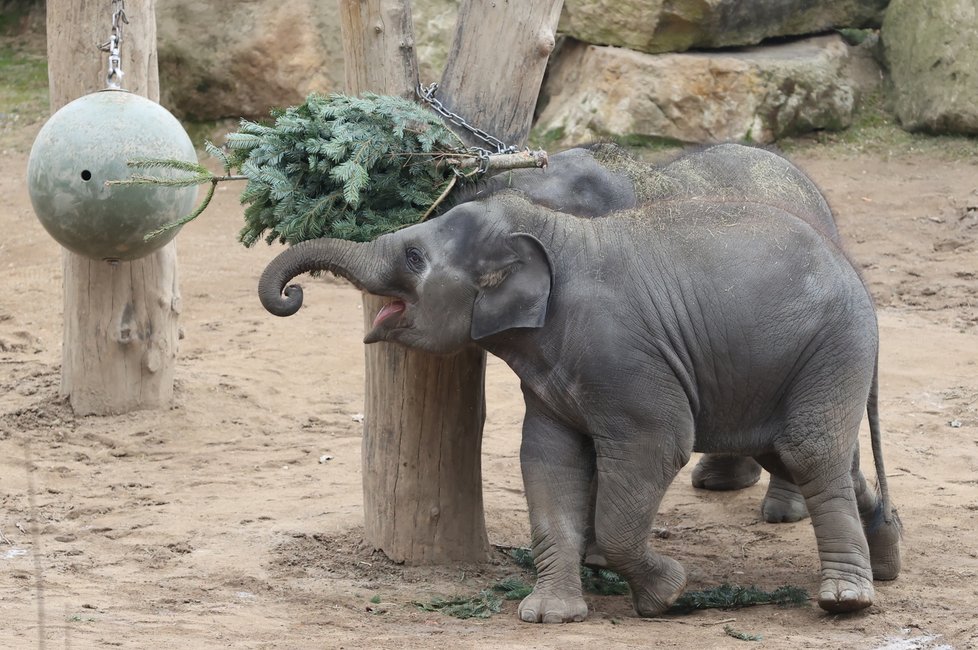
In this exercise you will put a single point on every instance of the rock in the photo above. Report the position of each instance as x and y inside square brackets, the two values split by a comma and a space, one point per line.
[657, 26]
[931, 49]
[756, 94]
[434, 29]
[227, 58]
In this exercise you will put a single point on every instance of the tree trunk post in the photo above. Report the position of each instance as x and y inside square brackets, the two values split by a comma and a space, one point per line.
[120, 320]
[423, 415]
[496, 65]
[422, 440]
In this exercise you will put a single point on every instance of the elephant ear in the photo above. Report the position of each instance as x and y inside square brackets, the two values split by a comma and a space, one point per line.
[515, 290]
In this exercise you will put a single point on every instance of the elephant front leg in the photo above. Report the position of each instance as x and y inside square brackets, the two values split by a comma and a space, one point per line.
[558, 465]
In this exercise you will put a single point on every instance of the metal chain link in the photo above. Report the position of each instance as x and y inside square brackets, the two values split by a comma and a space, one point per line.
[427, 95]
[114, 78]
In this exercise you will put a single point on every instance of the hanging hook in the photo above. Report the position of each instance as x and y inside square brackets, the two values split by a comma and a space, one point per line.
[114, 78]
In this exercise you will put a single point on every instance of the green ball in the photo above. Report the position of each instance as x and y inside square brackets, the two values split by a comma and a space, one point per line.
[90, 141]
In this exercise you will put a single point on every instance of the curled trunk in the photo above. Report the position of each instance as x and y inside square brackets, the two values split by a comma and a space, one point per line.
[356, 262]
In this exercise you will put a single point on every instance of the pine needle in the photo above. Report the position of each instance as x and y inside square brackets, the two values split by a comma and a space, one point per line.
[482, 605]
[734, 597]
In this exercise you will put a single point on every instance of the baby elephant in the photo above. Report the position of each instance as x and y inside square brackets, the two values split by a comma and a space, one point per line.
[725, 326]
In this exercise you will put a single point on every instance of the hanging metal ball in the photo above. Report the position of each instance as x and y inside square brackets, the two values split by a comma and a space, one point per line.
[90, 141]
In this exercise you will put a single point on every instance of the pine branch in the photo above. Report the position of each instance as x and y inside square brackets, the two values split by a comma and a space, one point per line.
[336, 166]
[190, 217]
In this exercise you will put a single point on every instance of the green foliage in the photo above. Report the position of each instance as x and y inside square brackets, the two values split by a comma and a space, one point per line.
[523, 558]
[513, 588]
[603, 582]
[482, 605]
[338, 166]
[596, 581]
[733, 597]
[24, 90]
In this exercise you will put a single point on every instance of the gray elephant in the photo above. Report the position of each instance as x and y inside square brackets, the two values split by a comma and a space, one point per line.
[718, 323]
[596, 180]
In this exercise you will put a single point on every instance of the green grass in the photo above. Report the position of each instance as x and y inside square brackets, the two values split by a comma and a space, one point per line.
[877, 132]
[24, 91]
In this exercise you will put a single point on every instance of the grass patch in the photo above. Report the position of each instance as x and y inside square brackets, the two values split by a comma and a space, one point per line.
[24, 91]
[876, 131]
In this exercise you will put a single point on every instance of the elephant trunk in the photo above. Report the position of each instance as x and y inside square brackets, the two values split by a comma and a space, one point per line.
[357, 262]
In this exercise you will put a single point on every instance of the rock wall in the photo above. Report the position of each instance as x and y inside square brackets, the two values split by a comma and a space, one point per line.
[756, 94]
[931, 49]
[657, 26]
[626, 67]
[241, 58]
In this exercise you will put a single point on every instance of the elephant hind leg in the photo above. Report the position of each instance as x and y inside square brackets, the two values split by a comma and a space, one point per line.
[825, 477]
[725, 472]
[882, 533]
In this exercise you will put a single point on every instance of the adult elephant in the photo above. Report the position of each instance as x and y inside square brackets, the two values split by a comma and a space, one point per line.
[686, 323]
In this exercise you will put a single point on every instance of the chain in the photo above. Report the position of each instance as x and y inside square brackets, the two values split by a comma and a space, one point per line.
[114, 78]
[427, 95]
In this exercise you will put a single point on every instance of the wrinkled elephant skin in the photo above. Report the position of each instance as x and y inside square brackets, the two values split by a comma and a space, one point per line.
[720, 325]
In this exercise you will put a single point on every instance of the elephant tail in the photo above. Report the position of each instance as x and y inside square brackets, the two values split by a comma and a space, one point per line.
[873, 413]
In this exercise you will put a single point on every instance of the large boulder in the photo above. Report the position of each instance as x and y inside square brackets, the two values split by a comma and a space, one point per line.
[227, 58]
[931, 49]
[756, 94]
[657, 26]
[234, 58]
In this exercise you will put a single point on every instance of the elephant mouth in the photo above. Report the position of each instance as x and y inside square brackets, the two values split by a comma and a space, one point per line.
[389, 311]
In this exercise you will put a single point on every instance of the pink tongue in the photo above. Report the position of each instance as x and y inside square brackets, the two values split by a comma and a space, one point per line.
[388, 310]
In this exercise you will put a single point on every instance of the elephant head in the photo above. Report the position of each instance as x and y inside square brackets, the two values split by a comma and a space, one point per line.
[453, 280]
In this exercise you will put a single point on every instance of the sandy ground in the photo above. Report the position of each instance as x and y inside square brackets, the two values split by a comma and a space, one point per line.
[214, 524]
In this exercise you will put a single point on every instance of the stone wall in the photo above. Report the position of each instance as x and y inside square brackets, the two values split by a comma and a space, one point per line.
[690, 70]
[931, 49]
[610, 79]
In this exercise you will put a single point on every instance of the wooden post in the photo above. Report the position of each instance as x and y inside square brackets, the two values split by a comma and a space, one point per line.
[423, 415]
[496, 65]
[422, 441]
[120, 321]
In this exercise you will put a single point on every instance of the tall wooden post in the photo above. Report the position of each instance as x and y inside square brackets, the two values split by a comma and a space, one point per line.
[422, 444]
[120, 321]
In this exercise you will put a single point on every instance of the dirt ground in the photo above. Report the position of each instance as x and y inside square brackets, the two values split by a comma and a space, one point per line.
[214, 523]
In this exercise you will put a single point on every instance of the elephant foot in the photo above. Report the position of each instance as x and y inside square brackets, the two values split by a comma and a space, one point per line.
[547, 606]
[841, 595]
[884, 549]
[662, 588]
[721, 472]
[783, 502]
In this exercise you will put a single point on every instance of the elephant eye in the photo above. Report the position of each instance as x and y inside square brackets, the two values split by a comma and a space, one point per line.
[414, 259]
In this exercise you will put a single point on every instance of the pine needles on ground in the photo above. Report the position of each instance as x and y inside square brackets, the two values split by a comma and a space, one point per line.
[513, 588]
[482, 605]
[734, 597]
[606, 583]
